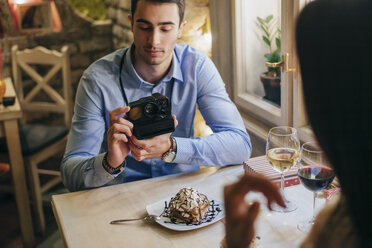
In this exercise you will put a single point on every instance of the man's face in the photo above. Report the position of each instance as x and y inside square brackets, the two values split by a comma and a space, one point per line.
[155, 29]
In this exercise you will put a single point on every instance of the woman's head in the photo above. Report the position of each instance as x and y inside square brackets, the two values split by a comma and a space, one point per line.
[334, 47]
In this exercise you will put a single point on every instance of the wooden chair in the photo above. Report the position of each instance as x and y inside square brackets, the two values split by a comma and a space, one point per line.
[40, 141]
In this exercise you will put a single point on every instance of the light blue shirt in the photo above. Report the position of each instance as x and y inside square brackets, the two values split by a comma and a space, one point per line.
[196, 81]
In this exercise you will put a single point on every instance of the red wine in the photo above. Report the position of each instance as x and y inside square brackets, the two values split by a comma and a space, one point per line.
[316, 178]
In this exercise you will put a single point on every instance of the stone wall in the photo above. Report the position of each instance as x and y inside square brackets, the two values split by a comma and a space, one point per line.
[196, 15]
[88, 40]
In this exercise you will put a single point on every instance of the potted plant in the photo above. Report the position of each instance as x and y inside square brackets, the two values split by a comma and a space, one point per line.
[271, 78]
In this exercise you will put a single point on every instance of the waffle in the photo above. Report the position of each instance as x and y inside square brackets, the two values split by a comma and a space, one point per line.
[189, 206]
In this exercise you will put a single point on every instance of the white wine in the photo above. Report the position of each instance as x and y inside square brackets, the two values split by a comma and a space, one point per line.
[283, 159]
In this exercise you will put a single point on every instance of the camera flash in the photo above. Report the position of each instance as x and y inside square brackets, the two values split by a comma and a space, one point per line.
[135, 113]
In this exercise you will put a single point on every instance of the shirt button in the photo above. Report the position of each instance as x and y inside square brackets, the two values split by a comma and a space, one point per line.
[154, 163]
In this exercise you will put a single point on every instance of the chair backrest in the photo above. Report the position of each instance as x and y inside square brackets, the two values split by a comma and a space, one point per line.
[28, 60]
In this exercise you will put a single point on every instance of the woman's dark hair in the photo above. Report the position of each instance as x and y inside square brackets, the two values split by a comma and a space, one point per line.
[334, 45]
[180, 4]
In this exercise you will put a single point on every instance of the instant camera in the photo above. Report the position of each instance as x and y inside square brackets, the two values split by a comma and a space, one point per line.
[151, 116]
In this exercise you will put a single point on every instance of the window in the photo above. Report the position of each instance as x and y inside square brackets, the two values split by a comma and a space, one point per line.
[238, 51]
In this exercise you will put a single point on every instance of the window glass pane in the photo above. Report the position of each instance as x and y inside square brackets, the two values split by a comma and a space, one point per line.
[257, 37]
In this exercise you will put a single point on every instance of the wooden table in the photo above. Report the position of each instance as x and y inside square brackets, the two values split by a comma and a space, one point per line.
[83, 217]
[9, 127]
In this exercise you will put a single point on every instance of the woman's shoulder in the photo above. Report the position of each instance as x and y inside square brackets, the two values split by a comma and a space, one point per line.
[333, 227]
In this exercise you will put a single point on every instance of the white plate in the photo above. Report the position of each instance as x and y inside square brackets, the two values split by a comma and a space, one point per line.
[157, 208]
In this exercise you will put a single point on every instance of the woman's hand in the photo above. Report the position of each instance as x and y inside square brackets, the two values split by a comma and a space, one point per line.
[240, 216]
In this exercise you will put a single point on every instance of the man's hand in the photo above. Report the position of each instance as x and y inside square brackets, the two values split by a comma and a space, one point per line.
[240, 216]
[118, 137]
[151, 148]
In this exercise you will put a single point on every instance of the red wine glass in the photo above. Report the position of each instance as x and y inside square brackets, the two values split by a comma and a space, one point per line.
[315, 175]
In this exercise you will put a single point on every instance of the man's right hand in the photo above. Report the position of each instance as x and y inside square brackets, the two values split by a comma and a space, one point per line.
[117, 137]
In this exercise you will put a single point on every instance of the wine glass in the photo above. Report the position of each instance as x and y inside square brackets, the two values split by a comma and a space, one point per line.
[282, 151]
[315, 174]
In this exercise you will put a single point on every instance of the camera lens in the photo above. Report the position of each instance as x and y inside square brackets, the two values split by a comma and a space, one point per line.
[150, 110]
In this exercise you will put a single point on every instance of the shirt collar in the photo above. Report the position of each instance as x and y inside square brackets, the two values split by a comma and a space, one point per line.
[174, 72]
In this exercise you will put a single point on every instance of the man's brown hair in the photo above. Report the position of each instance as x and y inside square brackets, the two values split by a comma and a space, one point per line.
[180, 4]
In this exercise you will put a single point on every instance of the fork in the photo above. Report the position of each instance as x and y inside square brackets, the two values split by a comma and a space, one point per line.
[147, 218]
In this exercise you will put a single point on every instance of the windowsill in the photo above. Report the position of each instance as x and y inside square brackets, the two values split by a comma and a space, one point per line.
[261, 129]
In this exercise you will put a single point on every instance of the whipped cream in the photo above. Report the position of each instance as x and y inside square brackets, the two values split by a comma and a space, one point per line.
[187, 199]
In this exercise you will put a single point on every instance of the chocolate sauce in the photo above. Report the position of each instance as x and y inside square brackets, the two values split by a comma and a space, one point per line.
[214, 210]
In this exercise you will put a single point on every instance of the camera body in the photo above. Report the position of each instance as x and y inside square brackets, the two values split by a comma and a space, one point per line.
[151, 116]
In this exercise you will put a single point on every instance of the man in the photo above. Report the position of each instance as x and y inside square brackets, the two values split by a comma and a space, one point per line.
[102, 150]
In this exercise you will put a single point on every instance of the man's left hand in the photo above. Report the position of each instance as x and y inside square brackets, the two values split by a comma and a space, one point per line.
[154, 147]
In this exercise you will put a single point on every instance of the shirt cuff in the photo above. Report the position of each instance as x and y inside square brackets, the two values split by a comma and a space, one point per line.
[185, 151]
[101, 175]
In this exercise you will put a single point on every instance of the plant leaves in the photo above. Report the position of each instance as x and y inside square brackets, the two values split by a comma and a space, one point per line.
[267, 41]
[279, 31]
[265, 30]
[278, 43]
[95, 9]
[275, 69]
[269, 18]
[275, 56]
[271, 32]
[260, 20]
